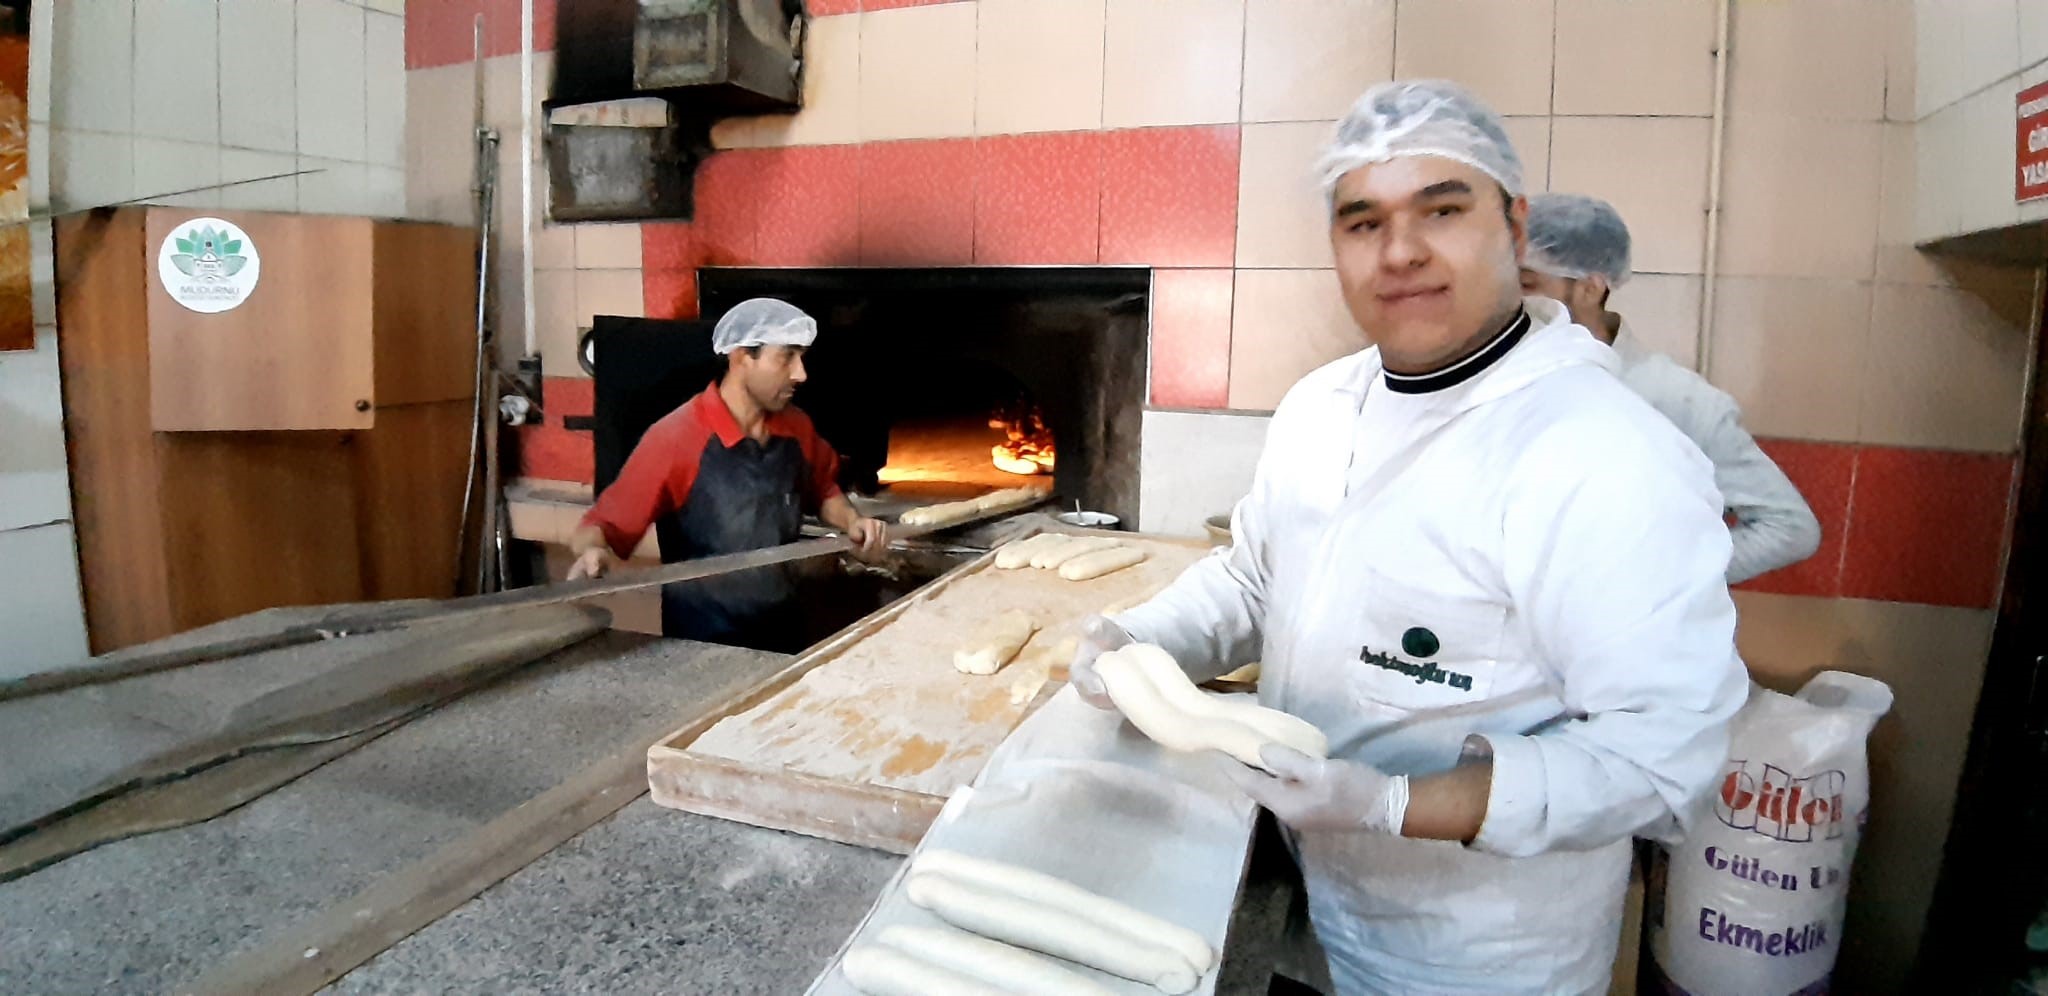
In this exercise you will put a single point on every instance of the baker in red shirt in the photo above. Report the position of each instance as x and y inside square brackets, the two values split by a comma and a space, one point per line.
[736, 468]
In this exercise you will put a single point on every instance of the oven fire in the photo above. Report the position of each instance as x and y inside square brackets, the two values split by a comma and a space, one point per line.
[1027, 446]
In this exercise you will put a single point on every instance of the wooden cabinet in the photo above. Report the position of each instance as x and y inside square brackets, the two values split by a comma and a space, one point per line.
[308, 445]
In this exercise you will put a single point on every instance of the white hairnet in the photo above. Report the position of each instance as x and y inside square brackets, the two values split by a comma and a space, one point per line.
[1574, 236]
[763, 321]
[1421, 118]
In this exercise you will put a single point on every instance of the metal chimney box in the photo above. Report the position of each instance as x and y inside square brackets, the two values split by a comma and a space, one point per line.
[739, 56]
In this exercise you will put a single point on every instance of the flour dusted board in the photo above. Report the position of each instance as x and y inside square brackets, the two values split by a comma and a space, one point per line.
[861, 739]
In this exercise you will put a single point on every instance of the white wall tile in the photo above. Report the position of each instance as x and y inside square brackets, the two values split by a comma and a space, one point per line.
[40, 608]
[1531, 138]
[268, 195]
[1194, 465]
[1947, 367]
[1500, 49]
[1308, 60]
[439, 143]
[1653, 170]
[1285, 323]
[340, 187]
[608, 292]
[1800, 197]
[88, 169]
[1665, 67]
[1787, 348]
[1663, 312]
[1282, 218]
[1038, 66]
[917, 72]
[1810, 59]
[2033, 34]
[42, 274]
[92, 76]
[42, 21]
[331, 94]
[556, 327]
[384, 90]
[1983, 180]
[259, 81]
[607, 247]
[831, 99]
[163, 166]
[1172, 62]
[38, 166]
[34, 482]
[1962, 45]
[383, 192]
[177, 70]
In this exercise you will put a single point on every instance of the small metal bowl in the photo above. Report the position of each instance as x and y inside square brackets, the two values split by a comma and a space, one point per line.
[1090, 520]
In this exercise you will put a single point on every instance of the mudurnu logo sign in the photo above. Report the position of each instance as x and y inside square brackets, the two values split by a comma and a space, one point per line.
[209, 265]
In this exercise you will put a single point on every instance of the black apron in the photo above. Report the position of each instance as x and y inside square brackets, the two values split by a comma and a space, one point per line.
[744, 498]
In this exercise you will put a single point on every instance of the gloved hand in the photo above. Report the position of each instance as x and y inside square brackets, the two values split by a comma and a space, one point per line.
[1098, 636]
[1311, 794]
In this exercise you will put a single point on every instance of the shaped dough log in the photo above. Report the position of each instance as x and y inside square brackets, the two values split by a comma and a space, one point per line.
[884, 971]
[1015, 555]
[993, 962]
[998, 640]
[940, 515]
[1042, 557]
[1151, 690]
[1081, 547]
[1026, 924]
[1006, 498]
[1062, 894]
[1094, 565]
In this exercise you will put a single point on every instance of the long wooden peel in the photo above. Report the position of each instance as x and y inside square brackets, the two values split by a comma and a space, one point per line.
[374, 616]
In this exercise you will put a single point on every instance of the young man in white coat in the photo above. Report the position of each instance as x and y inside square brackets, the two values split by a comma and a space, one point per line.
[1485, 569]
[1578, 254]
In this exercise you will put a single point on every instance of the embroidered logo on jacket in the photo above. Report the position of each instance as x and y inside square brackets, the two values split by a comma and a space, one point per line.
[1424, 674]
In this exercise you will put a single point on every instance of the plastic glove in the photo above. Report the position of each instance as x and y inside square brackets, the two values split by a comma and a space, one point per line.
[1098, 636]
[1311, 794]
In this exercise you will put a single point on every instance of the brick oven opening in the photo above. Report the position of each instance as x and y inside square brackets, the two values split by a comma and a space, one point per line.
[936, 384]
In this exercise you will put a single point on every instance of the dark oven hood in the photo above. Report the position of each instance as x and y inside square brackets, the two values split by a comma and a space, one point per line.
[713, 58]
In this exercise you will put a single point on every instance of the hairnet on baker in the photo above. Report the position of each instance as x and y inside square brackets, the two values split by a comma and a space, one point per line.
[1575, 236]
[1421, 118]
[763, 321]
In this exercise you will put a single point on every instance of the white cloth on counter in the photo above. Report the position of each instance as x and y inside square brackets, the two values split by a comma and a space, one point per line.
[1536, 558]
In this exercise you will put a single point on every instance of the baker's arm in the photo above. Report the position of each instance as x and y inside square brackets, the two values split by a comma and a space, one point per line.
[622, 514]
[1773, 527]
[1615, 557]
[870, 536]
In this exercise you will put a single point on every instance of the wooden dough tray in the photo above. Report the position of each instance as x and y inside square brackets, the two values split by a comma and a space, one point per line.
[861, 738]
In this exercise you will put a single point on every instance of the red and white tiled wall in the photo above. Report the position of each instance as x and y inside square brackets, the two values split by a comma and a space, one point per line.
[1179, 134]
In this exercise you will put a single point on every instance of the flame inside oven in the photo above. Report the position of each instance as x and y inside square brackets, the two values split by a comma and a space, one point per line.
[1027, 446]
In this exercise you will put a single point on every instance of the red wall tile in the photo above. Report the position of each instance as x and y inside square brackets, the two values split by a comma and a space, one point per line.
[1038, 198]
[1169, 196]
[1928, 526]
[1191, 338]
[808, 203]
[669, 293]
[1824, 473]
[443, 32]
[917, 203]
[726, 226]
[893, 4]
[566, 396]
[827, 8]
[553, 453]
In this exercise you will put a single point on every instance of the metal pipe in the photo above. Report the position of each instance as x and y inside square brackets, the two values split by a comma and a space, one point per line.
[528, 139]
[1704, 345]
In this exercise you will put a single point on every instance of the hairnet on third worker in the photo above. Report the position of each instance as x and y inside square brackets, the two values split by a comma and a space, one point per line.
[763, 321]
[1575, 236]
[1421, 118]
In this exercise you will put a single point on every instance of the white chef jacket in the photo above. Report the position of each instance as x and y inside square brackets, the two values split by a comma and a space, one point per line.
[1773, 526]
[1534, 558]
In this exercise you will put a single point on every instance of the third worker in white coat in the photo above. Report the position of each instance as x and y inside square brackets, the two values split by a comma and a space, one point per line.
[1485, 569]
[1578, 254]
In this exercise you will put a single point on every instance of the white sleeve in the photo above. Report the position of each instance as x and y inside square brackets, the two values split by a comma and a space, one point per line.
[1773, 526]
[1615, 553]
[1212, 618]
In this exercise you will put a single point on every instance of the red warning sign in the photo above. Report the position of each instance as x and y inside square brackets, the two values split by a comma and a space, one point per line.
[2030, 178]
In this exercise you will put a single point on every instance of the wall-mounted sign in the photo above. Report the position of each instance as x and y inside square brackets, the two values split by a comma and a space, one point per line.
[209, 265]
[2031, 154]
